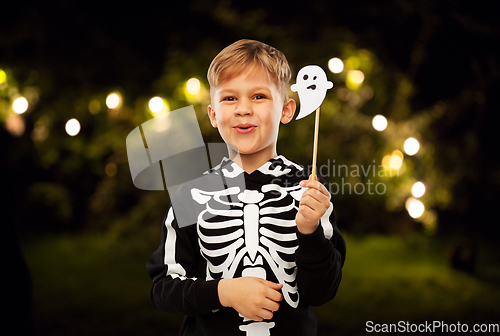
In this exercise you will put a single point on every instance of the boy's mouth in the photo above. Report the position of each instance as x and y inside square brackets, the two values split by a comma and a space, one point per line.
[244, 128]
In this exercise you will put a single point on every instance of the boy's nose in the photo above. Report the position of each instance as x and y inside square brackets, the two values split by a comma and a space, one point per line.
[243, 108]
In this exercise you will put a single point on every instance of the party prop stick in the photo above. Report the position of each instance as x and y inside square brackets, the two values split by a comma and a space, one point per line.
[311, 86]
[315, 148]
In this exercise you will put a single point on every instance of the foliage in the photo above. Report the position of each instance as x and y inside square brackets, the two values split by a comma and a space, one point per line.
[89, 172]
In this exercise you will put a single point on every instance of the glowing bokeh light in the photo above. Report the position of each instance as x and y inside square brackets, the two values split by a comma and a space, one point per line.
[357, 76]
[409, 201]
[411, 146]
[418, 189]
[111, 169]
[3, 76]
[386, 161]
[398, 153]
[113, 100]
[193, 86]
[335, 65]
[379, 122]
[353, 62]
[39, 132]
[94, 106]
[416, 208]
[15, 125]
[72, 127]
[156, 104]
[396, 160]
[20, 105]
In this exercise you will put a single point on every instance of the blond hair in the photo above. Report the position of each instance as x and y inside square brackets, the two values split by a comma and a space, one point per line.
[242, 54]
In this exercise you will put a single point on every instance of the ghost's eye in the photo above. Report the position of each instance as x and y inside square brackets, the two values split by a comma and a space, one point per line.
[305, 77]
[314, 78]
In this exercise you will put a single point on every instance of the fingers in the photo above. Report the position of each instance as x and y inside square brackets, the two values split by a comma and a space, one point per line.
[307, 215]
[274, 295]
[271, 305]
[256, 298]
[272, 291]
[269, 302]
[271, 284]
[314, 185]
[314, 200]
[268, 307]
[264, 314]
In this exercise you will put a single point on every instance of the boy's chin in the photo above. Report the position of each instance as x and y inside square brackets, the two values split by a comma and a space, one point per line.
[246, 151]
[241, 149]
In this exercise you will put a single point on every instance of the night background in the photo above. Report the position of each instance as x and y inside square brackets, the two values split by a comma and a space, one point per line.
[77, 233]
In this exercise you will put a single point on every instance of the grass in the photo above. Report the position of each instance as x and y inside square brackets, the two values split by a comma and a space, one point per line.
[387, 279]
[93, 285]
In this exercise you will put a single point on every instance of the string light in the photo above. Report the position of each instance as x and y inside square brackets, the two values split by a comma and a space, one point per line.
[396, 160]
[336, 65]
[72, 127]
[15, 125]
[3, 76]
[418, 189]
[113, 100]
[379, 122]
[20, 105]
[156, 104]
[415, 208]
[357, 76]
[354, 79]
[411, 146]
[193, 86]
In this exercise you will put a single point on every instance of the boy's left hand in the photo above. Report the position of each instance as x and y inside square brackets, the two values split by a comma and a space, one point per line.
[313, 205]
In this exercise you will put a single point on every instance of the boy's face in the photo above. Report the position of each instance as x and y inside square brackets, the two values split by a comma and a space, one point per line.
[247, 110]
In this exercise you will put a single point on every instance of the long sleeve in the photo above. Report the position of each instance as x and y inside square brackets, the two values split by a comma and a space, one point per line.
[320, 258]
[220, 227]
[174, 269]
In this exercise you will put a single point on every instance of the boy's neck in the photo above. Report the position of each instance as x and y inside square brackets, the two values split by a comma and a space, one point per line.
[252, 162]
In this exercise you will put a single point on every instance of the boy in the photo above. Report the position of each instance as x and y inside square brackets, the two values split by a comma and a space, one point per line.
[258, 257]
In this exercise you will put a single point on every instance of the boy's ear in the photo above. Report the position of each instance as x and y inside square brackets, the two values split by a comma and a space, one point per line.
[288, 111]
[211, 115]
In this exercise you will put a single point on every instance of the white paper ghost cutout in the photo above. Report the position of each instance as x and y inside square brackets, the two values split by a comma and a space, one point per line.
[311, 86]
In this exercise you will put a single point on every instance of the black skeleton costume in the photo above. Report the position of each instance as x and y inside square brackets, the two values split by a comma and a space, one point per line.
[231, 229]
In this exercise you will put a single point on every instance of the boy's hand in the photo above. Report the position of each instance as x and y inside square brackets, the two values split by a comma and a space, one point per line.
[252, 297]
[313, 205]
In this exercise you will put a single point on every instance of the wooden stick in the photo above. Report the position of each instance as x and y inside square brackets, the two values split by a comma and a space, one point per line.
[315, 150]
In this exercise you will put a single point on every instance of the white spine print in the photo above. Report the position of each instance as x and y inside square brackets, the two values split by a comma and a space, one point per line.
[251, 241]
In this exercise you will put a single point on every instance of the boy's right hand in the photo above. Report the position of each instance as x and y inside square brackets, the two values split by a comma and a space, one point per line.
[252, 297]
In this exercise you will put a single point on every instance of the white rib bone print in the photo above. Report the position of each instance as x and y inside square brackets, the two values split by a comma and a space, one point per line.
[248, 233]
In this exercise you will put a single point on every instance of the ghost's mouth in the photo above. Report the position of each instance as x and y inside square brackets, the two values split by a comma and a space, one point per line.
[312, 87]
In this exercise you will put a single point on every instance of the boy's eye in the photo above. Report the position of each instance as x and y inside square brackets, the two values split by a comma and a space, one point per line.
[229, 98]
[260, 97]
